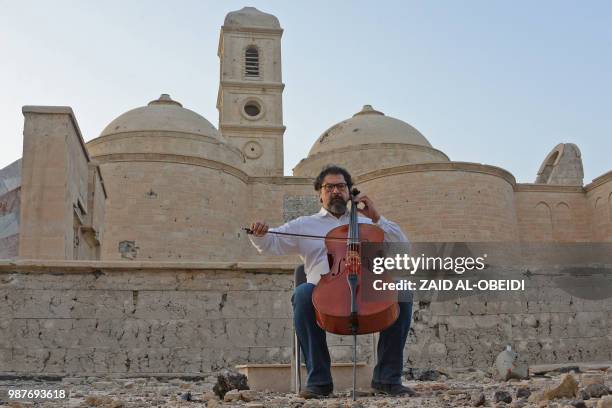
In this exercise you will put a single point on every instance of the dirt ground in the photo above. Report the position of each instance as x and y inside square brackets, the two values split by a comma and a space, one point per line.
[560, 386]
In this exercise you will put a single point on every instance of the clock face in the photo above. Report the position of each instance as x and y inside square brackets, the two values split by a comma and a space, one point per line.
[252, 149]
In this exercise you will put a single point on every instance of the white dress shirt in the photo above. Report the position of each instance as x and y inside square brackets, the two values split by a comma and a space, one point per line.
[312, 251]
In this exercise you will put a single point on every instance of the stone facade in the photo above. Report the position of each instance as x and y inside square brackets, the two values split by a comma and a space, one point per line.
[144, 318]
[157, 204]
[62, 191]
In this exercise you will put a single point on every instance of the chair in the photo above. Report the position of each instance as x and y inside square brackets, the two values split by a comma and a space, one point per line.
[299, 277]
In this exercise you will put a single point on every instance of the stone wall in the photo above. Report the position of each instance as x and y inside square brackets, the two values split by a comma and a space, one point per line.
[553, 213]
[446, 201]
[139, 318]
[544, 325]
[10, 204]
[599, 198]
[172, 211]
[183, 319]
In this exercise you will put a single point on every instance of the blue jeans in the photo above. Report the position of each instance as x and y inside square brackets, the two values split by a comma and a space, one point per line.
[313, 342]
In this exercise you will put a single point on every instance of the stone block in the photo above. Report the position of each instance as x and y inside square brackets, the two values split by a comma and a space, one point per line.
[279, 378]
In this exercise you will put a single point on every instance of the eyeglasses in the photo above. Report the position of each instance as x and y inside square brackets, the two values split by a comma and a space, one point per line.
[330, 187]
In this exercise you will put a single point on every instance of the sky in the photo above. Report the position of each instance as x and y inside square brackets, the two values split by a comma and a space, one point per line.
[494, 82]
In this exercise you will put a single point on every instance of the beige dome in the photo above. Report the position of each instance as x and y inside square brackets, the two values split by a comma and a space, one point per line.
[367, 142]
[163, 114]
[366, 127]
[163, 128]
[251, 17]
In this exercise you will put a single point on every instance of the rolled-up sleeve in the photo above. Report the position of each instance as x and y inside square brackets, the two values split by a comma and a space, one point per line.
[393, 232]
[396, 241]
[273, 244]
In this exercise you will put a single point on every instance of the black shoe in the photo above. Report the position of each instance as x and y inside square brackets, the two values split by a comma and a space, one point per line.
[394, 390]
[317, 391]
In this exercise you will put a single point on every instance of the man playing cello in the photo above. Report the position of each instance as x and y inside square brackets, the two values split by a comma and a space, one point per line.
[333, 185]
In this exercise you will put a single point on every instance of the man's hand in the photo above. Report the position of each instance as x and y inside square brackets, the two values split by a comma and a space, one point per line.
[368, 209]
[259, 228]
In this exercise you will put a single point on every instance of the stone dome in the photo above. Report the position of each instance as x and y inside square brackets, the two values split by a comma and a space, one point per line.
[163, 114]
[164, 128]
[251, 17]
[366, 127]
[366, 142]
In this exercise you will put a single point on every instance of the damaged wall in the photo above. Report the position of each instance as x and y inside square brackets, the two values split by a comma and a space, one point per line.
[10, 202]
[137, 318]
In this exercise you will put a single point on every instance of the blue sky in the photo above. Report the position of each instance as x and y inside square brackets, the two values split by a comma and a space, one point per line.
[490, 82]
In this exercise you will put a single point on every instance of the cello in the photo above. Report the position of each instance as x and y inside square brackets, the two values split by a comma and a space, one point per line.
[338, 300]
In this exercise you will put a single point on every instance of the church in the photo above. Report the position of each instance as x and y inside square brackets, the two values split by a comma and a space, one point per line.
[150, 214]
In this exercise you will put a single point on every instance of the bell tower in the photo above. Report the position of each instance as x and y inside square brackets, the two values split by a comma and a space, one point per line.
[251, 89]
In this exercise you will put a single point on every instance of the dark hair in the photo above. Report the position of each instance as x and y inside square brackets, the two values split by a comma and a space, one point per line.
[333, 169]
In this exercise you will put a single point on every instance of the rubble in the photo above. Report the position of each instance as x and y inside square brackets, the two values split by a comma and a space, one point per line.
[103, 402]
[502, 396]
[462, 388]
[591, 377]
[605, 402]
[596, 390]
[231, 395]
[249, 395]
[422, 374]
[229, 380]
[523, 392]
[478, 400]
[568, 388]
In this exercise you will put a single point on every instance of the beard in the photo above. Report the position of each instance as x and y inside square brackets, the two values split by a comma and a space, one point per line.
[337, 206]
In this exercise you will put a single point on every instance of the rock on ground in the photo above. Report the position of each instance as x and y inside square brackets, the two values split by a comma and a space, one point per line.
[229, 380]
[568, 388]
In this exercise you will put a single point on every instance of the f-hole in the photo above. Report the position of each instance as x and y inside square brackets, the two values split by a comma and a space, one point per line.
[342, 262]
